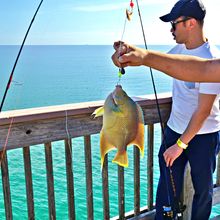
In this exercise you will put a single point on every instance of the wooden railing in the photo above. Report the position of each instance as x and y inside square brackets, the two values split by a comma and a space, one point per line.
[48, 124]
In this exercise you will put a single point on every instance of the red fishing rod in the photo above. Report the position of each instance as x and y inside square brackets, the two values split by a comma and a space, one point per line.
[16, 61]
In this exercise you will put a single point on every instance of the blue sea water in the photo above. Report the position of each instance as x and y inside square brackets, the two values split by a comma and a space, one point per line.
[54, 75]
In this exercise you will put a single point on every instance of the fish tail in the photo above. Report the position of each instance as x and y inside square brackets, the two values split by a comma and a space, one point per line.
[121, 158]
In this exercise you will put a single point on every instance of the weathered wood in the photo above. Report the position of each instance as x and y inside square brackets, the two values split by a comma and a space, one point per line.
[136, 181]
[69, 177]
[218, 171]
[150, 156]
[146, 215]
[77, 109]
[88, 164]
[216, 196]
[50, 181]
[6, 185]
[45, 125]
[105, 189]
[121, 193]
[216, 218]
[40, 127]
[188, 192]
[29, 183]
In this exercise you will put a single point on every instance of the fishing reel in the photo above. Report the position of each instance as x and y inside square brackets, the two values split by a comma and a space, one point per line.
[168, 212]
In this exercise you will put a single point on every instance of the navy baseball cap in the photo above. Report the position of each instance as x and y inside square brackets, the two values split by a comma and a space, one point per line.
[188, 8]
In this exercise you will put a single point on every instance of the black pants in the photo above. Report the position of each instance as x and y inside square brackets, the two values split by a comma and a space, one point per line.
[201, 154]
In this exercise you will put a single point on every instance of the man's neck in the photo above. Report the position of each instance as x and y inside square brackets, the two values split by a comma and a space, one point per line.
[196, 41]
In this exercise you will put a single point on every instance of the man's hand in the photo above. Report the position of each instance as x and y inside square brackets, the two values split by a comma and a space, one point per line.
[127, 55]
[171, 154]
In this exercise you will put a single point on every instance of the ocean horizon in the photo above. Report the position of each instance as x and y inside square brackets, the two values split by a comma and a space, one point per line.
[48, 75]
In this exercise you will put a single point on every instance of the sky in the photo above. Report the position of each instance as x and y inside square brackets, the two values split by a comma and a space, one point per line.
[93, 22]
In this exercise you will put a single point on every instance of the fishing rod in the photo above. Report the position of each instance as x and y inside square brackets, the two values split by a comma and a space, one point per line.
[10, 80]
[16, 61]
[178, 207]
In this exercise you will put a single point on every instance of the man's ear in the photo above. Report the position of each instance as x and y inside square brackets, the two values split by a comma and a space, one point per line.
[192, 23]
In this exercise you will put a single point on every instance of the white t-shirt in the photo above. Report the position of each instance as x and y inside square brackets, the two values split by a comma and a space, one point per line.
[185, 94]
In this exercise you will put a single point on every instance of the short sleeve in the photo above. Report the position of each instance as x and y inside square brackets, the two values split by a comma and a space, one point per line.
[209, 88]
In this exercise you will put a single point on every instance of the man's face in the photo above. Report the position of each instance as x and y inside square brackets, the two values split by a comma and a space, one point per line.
[179, 30]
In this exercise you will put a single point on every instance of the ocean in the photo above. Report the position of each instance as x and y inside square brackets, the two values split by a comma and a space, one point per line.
[56, 75]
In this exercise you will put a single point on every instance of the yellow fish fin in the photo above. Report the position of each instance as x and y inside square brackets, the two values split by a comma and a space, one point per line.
[98, 112]
[121, 159]
[105, 147]
[139, 139]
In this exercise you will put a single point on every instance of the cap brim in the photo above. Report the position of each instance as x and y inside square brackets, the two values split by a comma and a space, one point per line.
[168, 17]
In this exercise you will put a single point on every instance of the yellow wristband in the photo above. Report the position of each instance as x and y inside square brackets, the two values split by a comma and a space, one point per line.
[181, 144]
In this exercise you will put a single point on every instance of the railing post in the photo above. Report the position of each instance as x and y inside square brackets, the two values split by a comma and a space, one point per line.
[218, 171]
[69, 176]
[88, 164]
[50, 181]
[121, 193]
[188, 193]
[136, 181]
[29, 182]
[6, 185]
[105, 189]
[150, 153]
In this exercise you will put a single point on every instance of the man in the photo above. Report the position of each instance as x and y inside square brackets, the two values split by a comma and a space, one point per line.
[192, 131]
[195, 69]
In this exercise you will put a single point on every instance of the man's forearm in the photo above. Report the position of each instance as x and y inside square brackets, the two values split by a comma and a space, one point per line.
[183, 67]
[193, 127]
[187, 68]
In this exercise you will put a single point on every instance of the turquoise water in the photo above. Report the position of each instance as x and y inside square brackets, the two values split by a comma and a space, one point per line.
[54, 75]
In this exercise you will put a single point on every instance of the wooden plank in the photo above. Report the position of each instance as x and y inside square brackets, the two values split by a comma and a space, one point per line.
[33, 131]
[88, 164]
[29, 182]
[121, 193]
[144, 215]
[147, 215]
[218, 171]
[136, 181]
[188, 192]
[150, 152]
[216, 218]
[76, 109]
[216, 196]
[50, 181]
[105, 189]
[6, 185]
[70, 179]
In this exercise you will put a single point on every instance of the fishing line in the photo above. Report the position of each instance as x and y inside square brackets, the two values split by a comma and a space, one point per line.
[129, 13]
[19, 53]
[11, 78]
[160, 117]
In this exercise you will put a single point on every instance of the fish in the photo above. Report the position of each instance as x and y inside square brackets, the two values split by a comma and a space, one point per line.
[123, 125]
